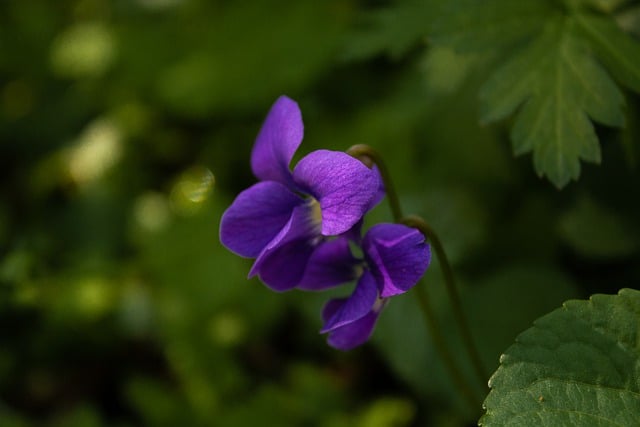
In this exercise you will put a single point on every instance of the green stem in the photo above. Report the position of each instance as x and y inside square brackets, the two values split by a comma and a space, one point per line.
[370, 156]
[441, 345]
[458, 312]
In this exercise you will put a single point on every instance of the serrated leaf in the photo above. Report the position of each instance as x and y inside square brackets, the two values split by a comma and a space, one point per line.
[559, 86]
[578, 366]
[615, 48]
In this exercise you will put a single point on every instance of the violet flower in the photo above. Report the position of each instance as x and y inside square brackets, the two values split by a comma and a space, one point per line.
[395, 258]
[282, 219]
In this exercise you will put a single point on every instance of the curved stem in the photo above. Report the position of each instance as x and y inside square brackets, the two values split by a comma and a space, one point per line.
[441, 345]
[458, 312]
[370, 156]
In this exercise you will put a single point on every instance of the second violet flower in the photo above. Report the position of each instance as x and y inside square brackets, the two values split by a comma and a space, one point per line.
[395, 258]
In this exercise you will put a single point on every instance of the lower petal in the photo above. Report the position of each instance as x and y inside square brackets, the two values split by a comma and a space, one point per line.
[282, 269]
[338, 313]
[283, 261]
[330, 264]
[354, 334]
[397, 255]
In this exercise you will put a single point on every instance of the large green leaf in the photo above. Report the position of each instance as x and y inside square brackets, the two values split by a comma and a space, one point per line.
[579, 365]
[552, 75]
[558, 87]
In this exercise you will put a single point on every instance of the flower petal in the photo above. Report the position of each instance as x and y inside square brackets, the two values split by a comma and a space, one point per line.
[343, 185]
[277, 141]
[354, 334]
[380, 193]
[330, 264]
[397, 256]
[283, 261]
[338, 313]
[256, 216]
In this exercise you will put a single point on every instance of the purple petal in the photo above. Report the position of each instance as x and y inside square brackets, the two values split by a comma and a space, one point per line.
[283, 261]
[348, 310]
[277, 141]
[330, 265]
[397, 255]
[380, 192]
[344, 186]
[354, 233]
[354, 334]
[256, 216]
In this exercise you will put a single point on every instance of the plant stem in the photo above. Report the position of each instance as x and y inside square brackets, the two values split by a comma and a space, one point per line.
[458, 312]
[370, 156]
[436, 334]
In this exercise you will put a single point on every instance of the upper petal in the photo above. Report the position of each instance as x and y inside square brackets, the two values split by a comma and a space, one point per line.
[283, 261]
[338, 313]
[397, 255]
[277, 141]
[330, 264]
[256, 216]
[343, 185]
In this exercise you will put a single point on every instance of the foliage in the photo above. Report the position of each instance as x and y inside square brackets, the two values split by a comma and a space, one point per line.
[546, 68]
[576, 366]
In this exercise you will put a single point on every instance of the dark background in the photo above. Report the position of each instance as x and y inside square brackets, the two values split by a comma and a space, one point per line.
[125, 131]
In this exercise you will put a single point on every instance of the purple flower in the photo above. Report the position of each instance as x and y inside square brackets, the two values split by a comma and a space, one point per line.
[396, 256]
[283, 219]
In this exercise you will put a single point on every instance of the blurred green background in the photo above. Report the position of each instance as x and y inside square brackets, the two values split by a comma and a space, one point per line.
[125, 131]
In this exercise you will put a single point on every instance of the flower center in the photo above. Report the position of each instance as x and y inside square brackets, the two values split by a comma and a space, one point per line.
[379, 304]
[316, 212]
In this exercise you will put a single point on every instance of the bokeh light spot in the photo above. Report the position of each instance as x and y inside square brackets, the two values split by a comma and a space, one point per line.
[191, 190]
[151, 211]
[97, 150]
[83, 50]
[94, 296]
[228, 329]
[136, 309]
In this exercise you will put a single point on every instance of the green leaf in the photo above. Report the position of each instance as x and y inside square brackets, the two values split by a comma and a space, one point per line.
[578, 365]
[558, 87]
[615, 48]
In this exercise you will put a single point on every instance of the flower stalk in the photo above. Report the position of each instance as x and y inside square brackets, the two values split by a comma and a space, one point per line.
[369, 155]
[435, 330]
[454, 296]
